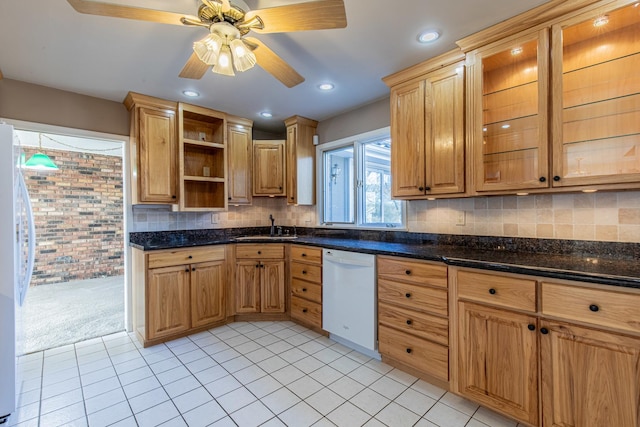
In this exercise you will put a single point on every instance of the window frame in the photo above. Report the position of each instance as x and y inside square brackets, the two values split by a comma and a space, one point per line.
[357, 142]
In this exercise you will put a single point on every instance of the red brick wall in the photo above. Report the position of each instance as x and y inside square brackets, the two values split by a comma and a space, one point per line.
[78, 214]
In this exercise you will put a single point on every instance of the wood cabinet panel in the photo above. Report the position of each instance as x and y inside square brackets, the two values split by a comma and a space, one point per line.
[416, 297]
[240, 157]
[185, 256]
[301, 161]
[167, 301]
[306, 311]
[306, 254]
[589, 377]
[269, 168]
[601, 307]
[307, 290]
[423, 355]
[272, 287]
[423, 325]
[498, 360]
[207, 293]
[158, 150]
[311, 273]
[416, 272]
[247, 288]
[260, 251]
[498, 290]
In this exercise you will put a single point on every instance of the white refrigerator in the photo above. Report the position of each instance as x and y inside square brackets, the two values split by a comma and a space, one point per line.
[17, 244]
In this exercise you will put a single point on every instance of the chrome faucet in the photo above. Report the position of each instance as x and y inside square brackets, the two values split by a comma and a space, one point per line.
[272, 232]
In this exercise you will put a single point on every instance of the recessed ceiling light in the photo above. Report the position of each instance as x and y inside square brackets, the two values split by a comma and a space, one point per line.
[190, 93]
[516, 51]
[600, 21]
[326, 86]
[428, 36]
[266, 114]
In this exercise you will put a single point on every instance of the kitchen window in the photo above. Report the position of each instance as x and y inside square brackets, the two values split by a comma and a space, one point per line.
[355, 180]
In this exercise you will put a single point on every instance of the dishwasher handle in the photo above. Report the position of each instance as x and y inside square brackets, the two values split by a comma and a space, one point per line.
[329, 258]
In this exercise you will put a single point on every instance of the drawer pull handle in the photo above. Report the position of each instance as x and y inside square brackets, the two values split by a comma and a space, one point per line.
[257, 265]
[187, 270]
[304, 255]
[531, 327]
[409, 322]
[543, 179]
[304, 271]
[407, 272]
[409, 350]
[556, 178]
[193, 269]
[304, 310]
[190, 256]
[544, 331]
[259, 252]
[304, 289]
[492, 291]
[594, 308]
[408, 295]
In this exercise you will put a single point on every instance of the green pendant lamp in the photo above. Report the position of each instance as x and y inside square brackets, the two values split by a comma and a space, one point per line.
[39, 160]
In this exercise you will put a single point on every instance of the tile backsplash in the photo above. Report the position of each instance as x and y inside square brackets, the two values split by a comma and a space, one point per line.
[606, 216]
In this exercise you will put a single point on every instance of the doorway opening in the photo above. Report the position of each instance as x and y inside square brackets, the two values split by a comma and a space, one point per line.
[77, 291]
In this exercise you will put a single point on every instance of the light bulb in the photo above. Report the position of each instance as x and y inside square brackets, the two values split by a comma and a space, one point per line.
[223, 66]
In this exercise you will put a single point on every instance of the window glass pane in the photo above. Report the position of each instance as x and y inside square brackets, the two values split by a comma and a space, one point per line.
[378, 207]
[339, 179]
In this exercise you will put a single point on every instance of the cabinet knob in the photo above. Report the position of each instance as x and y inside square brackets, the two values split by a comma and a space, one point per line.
[187, 270]
[304, 271]
[259, 252]
[408, 295]
[173, 197]
[292, 197]
[409, 350]
[531, 327]
[421, 188]
[280, 188]
[492, 291]
[261, 265]
[556, 178]
[544, 331]
[304, 289]
[229, 198]
[407, 272]
[193, 269]
[427, 188]
[543, 179]
[304, 310]
[257, 265]
[594, 308]
[190, 257]
[304, 255]
[409, 321]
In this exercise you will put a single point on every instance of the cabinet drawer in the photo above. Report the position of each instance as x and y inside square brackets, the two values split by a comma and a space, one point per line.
[422, 325]
[418, 272]
[423, 355]
[497, 290]
[306, 311]
[266, 251]
[306, 290]
[600, 307]
[312, 273]
[413, 297]
[185, 256]
[306, 254]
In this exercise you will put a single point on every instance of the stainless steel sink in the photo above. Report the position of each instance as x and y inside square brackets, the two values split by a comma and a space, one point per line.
[263, 237]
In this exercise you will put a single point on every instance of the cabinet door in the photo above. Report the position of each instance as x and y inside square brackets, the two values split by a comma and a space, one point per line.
[508, 92]
[157, 171]
[247, 287]
[498, 360]
[292, 166]
[240, 165]
[272, 287]
[408, 140]
[444, 127]
[596, 95]
[168, 301]
[268, 168]
[207, 293]
[589, 377]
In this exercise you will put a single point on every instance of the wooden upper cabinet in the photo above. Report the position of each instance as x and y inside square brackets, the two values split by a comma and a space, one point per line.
[239, 154]
[508, 103]
[154, 149]
[596, 97]
[269, 168]
[589, 377]
[202, 158]
[301, 161]
[427, 129]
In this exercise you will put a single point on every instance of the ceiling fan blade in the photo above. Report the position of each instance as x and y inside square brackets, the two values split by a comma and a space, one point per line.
[129, 12]
[314, 15]
[274, 65]
[194, 68]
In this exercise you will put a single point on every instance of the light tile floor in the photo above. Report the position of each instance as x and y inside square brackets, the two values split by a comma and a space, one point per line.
[241, 374]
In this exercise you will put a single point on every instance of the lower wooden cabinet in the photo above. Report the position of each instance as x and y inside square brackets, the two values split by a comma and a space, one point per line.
[260, 279]
[272, 287]
[176, 292]
[498, 359]
[589, 377]
[305, 271]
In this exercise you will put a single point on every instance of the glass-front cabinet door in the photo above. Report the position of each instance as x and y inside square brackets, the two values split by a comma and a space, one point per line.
[509, 98]
[596, 98]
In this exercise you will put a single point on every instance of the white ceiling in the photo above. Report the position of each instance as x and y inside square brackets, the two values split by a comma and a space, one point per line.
[47, 43]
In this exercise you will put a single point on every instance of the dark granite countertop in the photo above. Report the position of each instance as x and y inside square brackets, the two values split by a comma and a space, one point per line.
[596, 262]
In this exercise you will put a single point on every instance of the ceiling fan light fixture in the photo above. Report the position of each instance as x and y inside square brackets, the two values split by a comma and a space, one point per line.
[224, 64]
[243, 58]
[208, 48]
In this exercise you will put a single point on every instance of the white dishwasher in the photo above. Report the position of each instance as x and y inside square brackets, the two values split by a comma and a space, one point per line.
[349, 297]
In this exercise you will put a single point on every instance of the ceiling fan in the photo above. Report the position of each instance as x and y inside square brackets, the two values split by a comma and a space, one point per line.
[226, 46]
